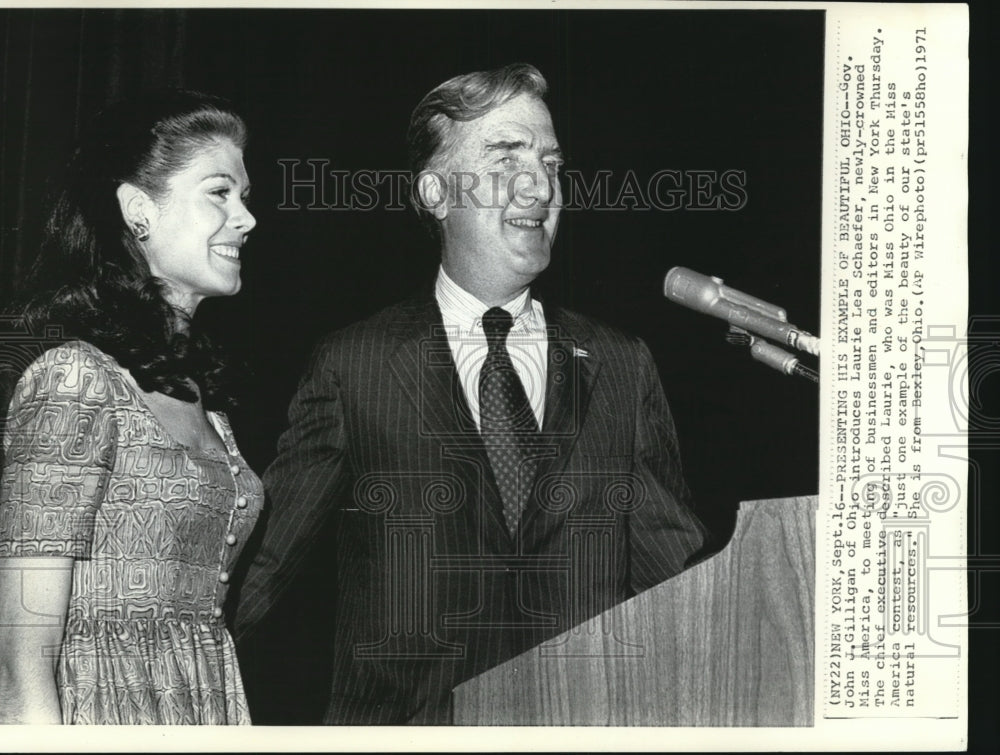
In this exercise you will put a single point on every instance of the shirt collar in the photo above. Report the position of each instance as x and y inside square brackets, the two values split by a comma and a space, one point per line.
[462, 309]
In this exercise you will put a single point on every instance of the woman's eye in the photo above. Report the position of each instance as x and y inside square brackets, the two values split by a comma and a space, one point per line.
[222, 193]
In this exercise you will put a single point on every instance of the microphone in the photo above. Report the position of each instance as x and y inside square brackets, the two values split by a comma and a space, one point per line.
[781, 360]
[709, 296]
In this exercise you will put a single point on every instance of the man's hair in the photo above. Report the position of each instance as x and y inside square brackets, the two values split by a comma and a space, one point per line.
[430, 137]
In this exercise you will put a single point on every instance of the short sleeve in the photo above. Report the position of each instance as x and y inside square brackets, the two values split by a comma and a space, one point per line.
[59, 449]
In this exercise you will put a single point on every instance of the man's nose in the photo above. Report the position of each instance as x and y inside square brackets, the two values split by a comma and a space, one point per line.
[535, 186]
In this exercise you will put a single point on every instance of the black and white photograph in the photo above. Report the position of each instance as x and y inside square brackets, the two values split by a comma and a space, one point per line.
[430, 367]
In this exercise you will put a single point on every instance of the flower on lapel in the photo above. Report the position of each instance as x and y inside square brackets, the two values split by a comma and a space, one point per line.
[580, 353]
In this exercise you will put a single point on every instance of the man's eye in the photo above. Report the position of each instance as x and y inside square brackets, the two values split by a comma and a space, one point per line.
[553, 166]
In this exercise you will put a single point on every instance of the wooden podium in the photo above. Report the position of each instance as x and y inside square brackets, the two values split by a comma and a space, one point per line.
[728, 642]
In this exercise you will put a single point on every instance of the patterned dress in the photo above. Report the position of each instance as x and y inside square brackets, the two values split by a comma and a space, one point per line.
[154, 529]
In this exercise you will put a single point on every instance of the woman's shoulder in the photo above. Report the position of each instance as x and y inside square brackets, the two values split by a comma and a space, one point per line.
[73, 368]
[74, 356]
[69, 393]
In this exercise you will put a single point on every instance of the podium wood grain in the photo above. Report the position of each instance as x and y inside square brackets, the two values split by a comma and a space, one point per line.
[728, 642]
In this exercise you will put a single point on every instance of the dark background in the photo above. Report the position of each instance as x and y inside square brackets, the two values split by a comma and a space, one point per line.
[984, 379]
[639, 91]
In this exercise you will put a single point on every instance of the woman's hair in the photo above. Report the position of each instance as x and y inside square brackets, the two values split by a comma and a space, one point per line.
[91, 277]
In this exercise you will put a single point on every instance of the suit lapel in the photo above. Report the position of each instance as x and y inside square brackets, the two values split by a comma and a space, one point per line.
[572, 374]
[572, 371]
[424, 368]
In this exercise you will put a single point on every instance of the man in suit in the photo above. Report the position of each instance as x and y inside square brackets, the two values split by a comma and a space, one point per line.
[500, 471]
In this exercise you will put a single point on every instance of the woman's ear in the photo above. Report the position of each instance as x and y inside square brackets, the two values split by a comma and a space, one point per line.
[135, 206]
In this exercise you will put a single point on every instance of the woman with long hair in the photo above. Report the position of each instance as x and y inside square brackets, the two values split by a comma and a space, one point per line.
[124, 501]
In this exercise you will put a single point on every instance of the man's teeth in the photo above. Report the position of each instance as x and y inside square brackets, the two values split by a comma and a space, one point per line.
[525, 223]
[232, 252]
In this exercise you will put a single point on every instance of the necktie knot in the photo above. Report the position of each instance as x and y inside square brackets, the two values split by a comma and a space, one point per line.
[497, 323]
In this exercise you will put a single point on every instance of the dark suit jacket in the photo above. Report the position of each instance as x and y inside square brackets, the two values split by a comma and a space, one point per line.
[431, 587]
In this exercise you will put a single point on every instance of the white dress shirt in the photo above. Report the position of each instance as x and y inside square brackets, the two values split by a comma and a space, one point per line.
[527, 341]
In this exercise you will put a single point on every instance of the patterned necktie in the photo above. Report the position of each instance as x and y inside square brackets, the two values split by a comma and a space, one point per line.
[506, 418]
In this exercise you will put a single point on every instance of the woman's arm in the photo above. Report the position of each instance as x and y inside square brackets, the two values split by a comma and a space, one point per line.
[60, 445]
[34, 595]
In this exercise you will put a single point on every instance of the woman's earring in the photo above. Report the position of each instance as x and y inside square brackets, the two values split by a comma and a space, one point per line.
[140, 230]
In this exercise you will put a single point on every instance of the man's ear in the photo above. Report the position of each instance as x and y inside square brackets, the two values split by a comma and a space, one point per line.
[431, 190]
[136, 205]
